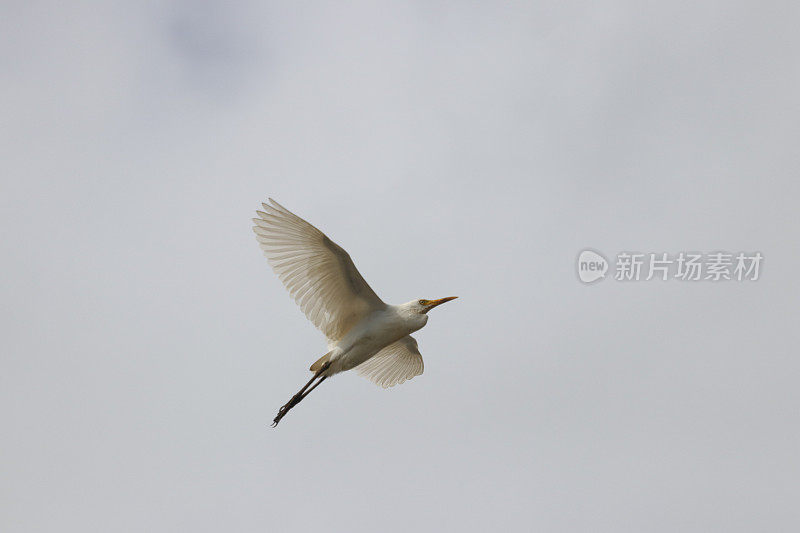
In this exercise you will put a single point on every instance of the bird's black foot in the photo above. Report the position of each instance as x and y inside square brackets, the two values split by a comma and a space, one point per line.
[285, 409]
[281, 413]
[297, 398]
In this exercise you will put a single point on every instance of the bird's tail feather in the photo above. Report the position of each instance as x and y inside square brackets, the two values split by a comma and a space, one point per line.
[321, 361]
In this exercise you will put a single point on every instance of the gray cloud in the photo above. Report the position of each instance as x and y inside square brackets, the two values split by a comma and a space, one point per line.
[451, 149]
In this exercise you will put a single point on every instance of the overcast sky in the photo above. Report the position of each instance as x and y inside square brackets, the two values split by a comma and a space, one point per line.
[452, 149]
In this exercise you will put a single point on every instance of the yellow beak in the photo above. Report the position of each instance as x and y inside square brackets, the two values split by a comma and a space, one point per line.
[440, 301]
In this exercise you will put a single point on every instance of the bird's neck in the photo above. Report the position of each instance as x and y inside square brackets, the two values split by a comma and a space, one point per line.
[414, 319]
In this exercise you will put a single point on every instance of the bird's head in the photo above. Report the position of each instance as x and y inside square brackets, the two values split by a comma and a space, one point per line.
[423, 306]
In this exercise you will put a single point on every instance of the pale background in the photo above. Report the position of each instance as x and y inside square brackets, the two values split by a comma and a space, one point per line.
[451, 148]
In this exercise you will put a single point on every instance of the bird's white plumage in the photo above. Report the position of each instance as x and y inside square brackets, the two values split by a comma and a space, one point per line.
[317, 272]
[363, 332]
[394, 364]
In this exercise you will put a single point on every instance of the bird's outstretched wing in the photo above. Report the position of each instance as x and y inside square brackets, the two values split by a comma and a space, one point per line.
[394, 364]
[317, 272]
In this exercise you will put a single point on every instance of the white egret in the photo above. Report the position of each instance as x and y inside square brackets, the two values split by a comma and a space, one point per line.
[363, 332]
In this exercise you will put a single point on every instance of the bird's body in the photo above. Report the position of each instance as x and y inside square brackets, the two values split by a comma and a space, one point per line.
[363, 332]
[376, 331]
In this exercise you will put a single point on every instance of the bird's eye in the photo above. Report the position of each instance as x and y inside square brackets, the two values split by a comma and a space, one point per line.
[422, 302]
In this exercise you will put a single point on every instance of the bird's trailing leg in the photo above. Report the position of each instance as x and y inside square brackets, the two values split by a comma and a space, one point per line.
[297, 398]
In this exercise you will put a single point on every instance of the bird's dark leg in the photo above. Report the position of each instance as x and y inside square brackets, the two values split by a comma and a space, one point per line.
[314, 387]
[297, 398]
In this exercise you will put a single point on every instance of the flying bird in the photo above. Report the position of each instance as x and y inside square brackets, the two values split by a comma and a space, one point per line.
[363, 332]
